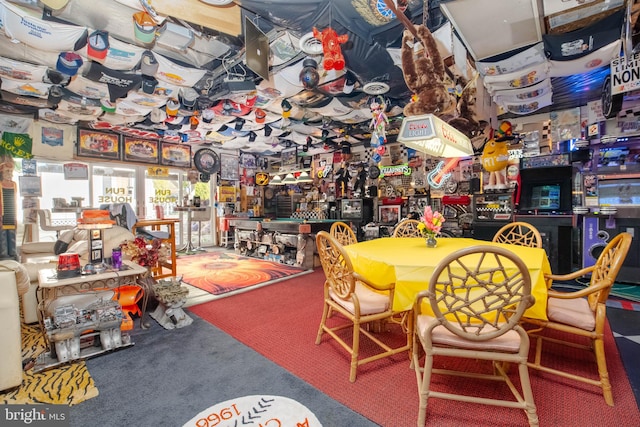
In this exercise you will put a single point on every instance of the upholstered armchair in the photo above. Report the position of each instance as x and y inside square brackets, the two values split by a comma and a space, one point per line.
[14, 282]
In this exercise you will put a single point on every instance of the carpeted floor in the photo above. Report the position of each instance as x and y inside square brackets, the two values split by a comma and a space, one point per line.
[281, 323]
[268, 349]
[170, 376]
[224, 273]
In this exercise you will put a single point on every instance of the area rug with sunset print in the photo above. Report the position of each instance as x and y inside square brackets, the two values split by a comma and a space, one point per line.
[221, 272]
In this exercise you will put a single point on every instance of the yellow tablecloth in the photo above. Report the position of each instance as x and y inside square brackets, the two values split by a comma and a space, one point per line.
[409, 263]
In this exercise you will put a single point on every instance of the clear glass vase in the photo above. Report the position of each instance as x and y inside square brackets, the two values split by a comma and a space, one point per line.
[431, 241]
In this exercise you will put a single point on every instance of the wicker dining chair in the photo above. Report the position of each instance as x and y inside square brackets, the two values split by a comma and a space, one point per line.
[357, 301]
[519, 233]
[477, 296]
[343, 233]
[572, 313]
[407, 228]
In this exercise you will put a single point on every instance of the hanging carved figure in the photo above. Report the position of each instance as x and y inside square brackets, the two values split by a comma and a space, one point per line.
[379, 122]
[435, 91]
[424, 73]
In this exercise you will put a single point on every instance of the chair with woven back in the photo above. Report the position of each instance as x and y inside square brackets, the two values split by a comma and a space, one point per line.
[343, 233]
[357, 301]
[519, 233]
[476, 297]
[407, 228]
[581, 313]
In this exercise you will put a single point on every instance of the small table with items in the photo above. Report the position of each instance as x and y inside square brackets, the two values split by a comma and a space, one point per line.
[76, 312]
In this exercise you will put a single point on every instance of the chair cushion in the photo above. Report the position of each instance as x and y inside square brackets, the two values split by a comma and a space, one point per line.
[509, 342]
[573, 312]
[371, 302]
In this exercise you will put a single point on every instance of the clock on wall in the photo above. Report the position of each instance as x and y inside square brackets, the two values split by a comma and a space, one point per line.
[207, 161]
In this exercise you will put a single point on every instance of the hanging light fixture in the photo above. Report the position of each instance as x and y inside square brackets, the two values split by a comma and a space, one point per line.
[432, 135]
[276, 180]
[289, 179]
[304, 177]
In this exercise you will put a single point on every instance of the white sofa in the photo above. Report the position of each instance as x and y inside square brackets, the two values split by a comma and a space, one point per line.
[14, 282]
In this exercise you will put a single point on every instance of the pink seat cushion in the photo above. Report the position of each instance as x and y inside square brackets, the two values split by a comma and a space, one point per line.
[371, 302]
[509, 342]
[573, 312]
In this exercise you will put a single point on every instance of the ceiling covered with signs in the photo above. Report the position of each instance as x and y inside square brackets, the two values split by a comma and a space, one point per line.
[147, 67]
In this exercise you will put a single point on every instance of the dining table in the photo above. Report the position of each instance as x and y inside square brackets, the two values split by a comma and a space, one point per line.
[409, 263]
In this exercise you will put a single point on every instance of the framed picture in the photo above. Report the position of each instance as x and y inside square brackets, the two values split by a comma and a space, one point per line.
[76, 171]
[289, 156]
[389, 214]
[229, 167]
[29, 167]
[100, 144]
[30, 186]
[140, 150]
[178, 155]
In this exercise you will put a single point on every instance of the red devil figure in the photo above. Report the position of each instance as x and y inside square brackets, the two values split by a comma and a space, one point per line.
[333, 59]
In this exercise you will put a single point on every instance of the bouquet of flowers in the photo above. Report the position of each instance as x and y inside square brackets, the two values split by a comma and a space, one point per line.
[431, 222]
[146, 253]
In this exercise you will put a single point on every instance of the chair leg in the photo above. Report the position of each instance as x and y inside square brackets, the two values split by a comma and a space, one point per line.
[527, 393]
[354, 351]
[325, 313]
[598, 347]
[423, 388]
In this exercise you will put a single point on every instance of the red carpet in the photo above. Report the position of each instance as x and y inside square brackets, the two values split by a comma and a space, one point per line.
[220, 272]
[281, 323]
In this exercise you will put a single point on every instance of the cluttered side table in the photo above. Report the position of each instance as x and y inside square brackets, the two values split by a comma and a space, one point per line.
[78, 312]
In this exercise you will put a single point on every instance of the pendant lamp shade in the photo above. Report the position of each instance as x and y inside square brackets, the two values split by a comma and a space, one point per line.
[289, 179]
[304, 177]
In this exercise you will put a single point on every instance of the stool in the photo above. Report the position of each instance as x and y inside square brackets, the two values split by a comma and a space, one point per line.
[200, 217]
[226, 236]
